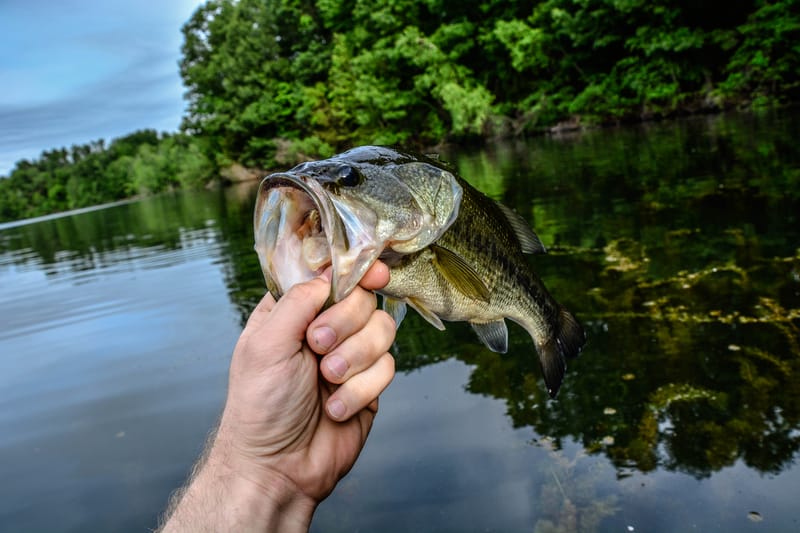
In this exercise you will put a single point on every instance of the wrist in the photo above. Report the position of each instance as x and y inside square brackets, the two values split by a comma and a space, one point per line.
[224, 496]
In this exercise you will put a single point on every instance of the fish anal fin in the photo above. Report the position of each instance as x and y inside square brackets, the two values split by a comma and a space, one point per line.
[459, 273]
[426, 313]
[395, 308]
[529, 241]
[565, 344]
[493, 334]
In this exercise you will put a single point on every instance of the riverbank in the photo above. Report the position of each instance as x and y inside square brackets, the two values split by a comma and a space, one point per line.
[145, 163]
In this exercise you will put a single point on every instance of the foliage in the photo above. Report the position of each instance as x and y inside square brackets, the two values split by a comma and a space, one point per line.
[250, 67]
[274, 82]
[315, 77]
[765, 64]
[90, 174]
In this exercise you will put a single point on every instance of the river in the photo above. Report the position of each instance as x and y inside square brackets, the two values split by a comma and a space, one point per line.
[676, 244]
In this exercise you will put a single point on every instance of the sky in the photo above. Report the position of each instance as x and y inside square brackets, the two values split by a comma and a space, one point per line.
[74, 71]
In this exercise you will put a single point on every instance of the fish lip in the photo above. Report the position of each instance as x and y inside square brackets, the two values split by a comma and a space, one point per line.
[331, 223]
[286, 179]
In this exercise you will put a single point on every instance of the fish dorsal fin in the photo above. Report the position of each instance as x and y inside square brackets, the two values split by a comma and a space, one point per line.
[459, 273]
[530, 242]
[426, 313]
[493, 334]
[395, 308]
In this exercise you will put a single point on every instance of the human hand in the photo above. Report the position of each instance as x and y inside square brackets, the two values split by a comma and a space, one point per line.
[293, 424]
[274, 417]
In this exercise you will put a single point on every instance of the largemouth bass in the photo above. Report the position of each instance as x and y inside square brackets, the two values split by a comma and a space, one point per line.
[454, 254]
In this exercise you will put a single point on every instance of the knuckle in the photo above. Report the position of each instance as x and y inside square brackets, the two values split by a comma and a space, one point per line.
[352, 393]
[302, 292]
[386, 319]
[365, 301]
[389, 360]
[373, 298]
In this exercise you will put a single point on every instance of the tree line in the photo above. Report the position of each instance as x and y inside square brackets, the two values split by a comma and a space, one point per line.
[271, 82]
[143, 162]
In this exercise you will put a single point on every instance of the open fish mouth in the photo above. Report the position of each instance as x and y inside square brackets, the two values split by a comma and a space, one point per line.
[300, 230]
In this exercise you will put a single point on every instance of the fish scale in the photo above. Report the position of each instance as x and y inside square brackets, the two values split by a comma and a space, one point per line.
[485, 239]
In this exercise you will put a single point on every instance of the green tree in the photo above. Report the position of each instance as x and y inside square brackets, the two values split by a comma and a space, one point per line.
[274, 81]
[245, 65]
[766, 62]
[90, 174]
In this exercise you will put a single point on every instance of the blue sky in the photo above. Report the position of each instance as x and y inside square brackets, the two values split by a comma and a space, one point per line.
[74, 71]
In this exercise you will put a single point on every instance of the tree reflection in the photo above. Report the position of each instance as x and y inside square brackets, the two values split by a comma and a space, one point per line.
[668, 379]
[678, 251]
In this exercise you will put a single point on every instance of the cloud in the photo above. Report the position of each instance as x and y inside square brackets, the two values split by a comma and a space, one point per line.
[139, 96]
[87, 70]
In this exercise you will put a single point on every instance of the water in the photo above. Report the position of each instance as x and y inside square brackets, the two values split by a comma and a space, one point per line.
[676, 245]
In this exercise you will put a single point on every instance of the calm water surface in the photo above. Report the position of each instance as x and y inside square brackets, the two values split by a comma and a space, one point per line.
[676, 244]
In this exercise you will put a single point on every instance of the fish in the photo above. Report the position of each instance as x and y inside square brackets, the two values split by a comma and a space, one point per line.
[453, 253]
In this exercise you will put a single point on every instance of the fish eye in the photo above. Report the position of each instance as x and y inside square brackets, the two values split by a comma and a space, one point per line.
[348, 176]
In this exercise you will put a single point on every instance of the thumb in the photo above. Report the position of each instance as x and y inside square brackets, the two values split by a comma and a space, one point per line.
[289, 318]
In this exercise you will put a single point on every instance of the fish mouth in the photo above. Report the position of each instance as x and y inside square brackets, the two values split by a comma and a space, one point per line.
[301, 229]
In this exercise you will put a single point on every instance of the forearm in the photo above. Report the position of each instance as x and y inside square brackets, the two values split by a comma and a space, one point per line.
[219, 498]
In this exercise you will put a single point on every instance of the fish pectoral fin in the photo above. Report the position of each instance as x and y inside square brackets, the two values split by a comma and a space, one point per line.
[529, 241]
[493, 334]
[395, 308]
[426, 313]
[459, 273]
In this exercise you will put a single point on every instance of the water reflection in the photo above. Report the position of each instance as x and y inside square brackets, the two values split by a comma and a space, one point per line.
[675, 244]
[105, 391]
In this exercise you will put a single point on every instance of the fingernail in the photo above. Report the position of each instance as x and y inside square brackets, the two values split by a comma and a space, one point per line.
[337, 365]
[336, 409]
[324, 337]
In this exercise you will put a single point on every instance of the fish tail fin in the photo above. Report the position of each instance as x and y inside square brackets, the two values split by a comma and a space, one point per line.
[566, 343]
